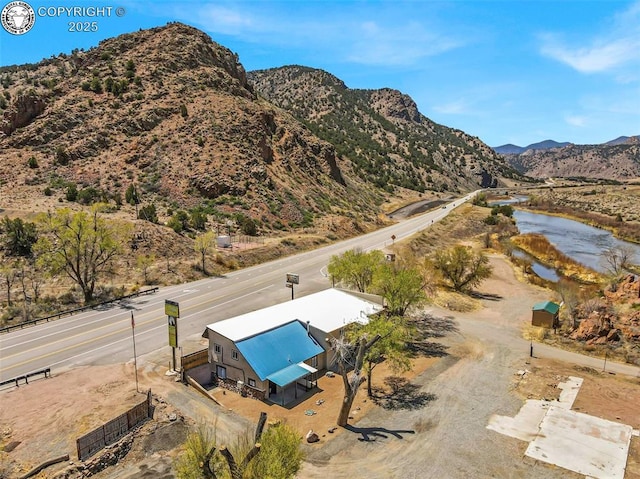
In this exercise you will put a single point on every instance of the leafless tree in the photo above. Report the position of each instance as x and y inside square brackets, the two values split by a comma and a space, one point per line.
[344, 354]
[9, 274]
[235, 468]
[570, 294]
[617, 259]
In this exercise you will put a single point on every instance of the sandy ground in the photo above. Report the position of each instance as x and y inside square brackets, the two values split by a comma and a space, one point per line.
[434, 426]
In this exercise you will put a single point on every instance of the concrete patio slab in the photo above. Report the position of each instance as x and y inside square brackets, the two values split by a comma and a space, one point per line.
[584, 444]
[570, 390]
[525, 425]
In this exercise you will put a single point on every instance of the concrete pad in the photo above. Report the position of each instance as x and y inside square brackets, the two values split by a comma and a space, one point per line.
[570, 390]
[581, 443]
[525, 424]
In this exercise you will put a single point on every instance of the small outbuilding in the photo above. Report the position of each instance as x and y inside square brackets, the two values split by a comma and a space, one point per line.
[545, 315]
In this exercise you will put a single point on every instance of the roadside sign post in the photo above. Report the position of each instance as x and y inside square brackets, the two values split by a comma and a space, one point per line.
[292, 279]
[172, 310]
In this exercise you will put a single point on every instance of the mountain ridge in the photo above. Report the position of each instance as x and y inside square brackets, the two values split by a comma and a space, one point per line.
[510, 148]
[175, 114]
[382, 132]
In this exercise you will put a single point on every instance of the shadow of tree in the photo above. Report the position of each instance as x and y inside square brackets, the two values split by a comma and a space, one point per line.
[428, 326]
[403, 395]
[487, 296]
[428, 348]
[373, 433]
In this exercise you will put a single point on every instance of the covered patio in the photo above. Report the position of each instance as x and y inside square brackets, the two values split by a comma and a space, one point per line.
[292, 382]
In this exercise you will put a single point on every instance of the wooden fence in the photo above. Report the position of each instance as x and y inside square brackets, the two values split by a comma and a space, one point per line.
[113, 430]
[193, 360]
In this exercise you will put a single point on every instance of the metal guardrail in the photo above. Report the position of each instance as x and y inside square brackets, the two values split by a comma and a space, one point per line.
[74, 311]
[46, 372]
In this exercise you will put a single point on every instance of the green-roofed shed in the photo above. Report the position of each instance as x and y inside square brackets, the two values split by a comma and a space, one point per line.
[545, 314]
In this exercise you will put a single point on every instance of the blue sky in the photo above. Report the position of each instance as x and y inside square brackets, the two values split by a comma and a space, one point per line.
[506, 71]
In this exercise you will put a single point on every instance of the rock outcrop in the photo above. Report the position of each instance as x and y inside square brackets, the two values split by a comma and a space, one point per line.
[22, 111]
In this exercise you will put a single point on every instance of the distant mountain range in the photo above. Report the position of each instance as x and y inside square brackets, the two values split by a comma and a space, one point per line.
[617, 159]
[510, 149]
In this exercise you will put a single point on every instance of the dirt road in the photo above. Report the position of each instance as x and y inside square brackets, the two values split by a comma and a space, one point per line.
[447, 438]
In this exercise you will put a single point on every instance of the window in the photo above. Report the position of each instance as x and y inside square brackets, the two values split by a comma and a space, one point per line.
[234, 354]
[314, 362]
[217, 349]
[252, 383]
[221, 372]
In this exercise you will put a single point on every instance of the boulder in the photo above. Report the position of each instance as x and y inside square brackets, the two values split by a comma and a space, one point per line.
[312, 436]
[613, 335]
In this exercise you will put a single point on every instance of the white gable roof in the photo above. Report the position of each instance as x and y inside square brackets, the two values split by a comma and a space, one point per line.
[327, 311]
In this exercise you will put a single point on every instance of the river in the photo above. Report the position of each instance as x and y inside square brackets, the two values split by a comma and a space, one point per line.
[581, 242]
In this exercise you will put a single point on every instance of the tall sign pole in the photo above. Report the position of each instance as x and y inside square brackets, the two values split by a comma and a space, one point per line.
[135, 356]
[292, 279]
[172, 310]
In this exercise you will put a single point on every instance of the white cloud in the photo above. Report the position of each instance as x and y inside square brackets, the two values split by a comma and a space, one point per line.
[458, 107]
[339, 33]
[620, 45]
[406, 44]
[220, 19]
[595, 58]
[576, 120]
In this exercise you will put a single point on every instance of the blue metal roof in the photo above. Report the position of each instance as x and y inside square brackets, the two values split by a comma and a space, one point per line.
[279, 348]
[288, 375]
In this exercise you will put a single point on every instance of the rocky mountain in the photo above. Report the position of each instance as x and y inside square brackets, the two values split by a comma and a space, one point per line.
[617, 161]
[621, 140]
[390, 143]
[174, 114]
[170, 111]
[510, 149]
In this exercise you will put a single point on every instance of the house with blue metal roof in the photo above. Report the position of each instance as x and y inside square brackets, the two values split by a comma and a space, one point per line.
[276, 353]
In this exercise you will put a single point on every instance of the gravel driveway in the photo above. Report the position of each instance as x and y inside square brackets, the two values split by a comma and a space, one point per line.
[447, 437]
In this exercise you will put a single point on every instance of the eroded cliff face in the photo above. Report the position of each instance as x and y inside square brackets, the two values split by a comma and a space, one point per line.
[22, 112]
[171, 111]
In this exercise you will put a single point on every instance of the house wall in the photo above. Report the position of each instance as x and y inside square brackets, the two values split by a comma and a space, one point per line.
[237, 369]
[325, 359]
[542, 319]
[240, 370]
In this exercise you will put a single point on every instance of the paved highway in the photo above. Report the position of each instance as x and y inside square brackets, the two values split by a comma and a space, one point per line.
[103, 335]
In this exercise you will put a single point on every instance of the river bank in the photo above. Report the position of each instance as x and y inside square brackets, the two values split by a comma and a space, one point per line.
[615, 208]
[540, 248]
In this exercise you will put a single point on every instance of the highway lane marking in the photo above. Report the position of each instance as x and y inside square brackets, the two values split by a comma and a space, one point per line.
[71, 319]
[83, 353]
[87, 320]
[264, 267]
[88, 341]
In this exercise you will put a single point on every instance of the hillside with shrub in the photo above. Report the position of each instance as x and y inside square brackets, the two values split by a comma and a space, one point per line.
[390, 143]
